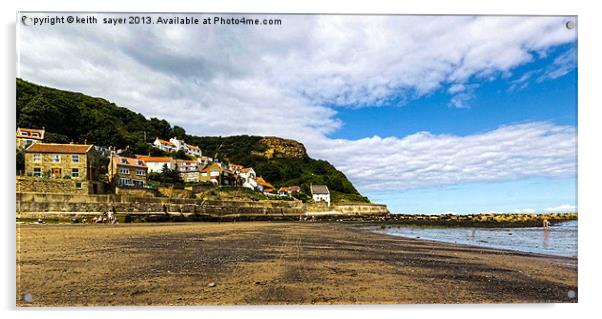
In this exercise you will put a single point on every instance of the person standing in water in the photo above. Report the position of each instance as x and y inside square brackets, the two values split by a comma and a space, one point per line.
[546, 223]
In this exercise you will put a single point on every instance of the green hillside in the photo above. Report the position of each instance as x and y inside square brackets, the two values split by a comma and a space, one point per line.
[69, 116]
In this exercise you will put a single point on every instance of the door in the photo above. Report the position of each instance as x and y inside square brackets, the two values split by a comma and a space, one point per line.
[56, 172]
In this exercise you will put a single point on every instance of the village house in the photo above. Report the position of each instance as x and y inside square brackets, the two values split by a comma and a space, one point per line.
[229, 177]
[193, 150]
[77, 163]
[236, 168]
[216, 174]
[204, 160]
[248, 178]
[289, 190]
[156, 164]
[188, 170]
[127, 172]
[211, 173]
[174, 145]
[320, 193]
[263, 186]
[28, 136]
[165, 146]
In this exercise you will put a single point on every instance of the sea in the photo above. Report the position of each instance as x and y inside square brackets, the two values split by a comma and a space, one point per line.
[559, 240]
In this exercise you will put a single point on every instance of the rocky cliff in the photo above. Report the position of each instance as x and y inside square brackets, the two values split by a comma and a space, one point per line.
[276, 147]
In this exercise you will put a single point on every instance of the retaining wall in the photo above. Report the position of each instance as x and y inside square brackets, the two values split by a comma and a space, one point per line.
[40, 205]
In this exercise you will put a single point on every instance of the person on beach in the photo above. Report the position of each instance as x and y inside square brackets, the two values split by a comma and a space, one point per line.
[546, 223]
[110, 217]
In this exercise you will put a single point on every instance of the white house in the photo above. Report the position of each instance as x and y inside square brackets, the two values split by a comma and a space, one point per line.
[174, 145]
[155, 164]
[320, 193]
[248, 177]
[189, 149]
[193, 150]
[165, 146]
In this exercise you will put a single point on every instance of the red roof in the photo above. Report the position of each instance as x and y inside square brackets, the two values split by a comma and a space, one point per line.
[160, 159]
[165, 142]
[28, 133]
[128, 161]
[210, 167]
[263, 183]
[59, 148]
[193, 147]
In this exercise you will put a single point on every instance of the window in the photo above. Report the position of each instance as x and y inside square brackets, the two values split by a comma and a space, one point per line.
[75, 158]
[35, 134]
[25, 133]
[124, 161]
[37, 172]
[56, 158]
[124, 181]
[78, 185]
[140, 172]
[75, 172]
[140, 163]
[124, 170]
[37, 157]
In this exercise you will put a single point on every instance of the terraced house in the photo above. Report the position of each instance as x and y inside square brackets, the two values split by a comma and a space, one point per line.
[76, 164]
[127, 172]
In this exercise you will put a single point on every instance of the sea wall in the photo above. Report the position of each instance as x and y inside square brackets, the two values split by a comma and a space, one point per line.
[362, 209]
[42, 205]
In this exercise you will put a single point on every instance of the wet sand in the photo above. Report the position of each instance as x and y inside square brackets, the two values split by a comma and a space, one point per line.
[271, 263]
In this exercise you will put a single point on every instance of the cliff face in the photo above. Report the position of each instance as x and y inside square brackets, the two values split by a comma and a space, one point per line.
[276, 147]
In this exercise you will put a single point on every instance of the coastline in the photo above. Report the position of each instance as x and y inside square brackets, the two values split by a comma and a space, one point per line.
[570, 260]
[272, 263]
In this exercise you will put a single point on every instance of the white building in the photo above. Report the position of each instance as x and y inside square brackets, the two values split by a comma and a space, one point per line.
[248, 177]
[165, 146]
[155, 164]
[189, 149]
[174, 145]
[320, 193]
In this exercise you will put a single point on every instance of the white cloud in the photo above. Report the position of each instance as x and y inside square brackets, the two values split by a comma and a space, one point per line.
[289, 80]
[423, 159]
[561, 209]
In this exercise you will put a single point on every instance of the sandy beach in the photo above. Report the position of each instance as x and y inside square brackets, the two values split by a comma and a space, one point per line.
[271, 263]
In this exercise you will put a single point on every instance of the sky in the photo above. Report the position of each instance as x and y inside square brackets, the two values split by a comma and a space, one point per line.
[426, 114]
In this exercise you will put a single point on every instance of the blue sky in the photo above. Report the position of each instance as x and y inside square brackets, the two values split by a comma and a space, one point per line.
[492, 104]
[422, 113]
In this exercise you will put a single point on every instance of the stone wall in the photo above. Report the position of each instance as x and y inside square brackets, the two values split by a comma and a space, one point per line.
[175, 193]
[36, 205]
[41, 205]
[135, 192]
[51, 185]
